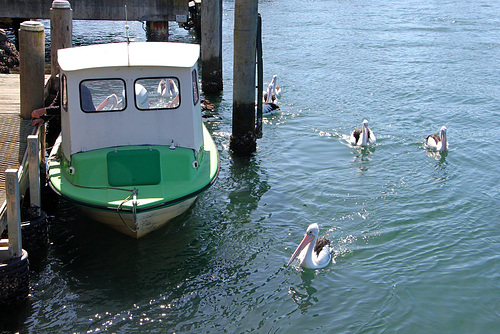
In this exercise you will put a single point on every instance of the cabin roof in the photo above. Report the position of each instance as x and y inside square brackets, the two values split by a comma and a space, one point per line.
[123, 55]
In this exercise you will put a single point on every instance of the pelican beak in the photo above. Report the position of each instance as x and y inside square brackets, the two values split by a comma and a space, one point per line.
[444, 141]
[307, 239]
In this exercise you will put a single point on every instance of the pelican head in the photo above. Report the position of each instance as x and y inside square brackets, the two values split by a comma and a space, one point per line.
[269, 94]
[276, 89]
[444, 141]
[365, 133]
[273, 80]
[162, 86]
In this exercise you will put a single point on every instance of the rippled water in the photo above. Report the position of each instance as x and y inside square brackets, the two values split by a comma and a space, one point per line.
[416, 235]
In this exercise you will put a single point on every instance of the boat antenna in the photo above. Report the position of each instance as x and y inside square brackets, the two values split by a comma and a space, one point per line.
[126, 25]
[128, 39]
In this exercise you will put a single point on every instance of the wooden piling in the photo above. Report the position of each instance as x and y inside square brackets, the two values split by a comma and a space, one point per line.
[61, 31]
[32, 66]
[13, 212]
[34, 172]
[260, 78]
[211, 46]
[243, 138]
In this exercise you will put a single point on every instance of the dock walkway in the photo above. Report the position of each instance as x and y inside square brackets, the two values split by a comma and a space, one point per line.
[13, 131]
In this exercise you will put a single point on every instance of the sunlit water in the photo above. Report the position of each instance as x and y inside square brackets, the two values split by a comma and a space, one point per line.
[416, 234]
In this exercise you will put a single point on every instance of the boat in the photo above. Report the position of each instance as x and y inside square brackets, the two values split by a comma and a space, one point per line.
[139, 158]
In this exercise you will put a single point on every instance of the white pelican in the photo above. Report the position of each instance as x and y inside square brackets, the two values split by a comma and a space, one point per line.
[314, 253]
[268, 106]
[438, 142]
[167, 88]
[363, 136]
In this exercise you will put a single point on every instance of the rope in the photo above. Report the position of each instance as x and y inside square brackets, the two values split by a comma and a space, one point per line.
[134, 210]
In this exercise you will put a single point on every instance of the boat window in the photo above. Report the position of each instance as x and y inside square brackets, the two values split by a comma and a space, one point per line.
[196, 93]
[157, 93]
[64, 92]
[102, 95]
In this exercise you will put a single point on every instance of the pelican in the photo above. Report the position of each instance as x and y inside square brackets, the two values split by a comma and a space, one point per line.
[268, 106]
[363, 136]
[167, 88]
[438, 142]
[314, 253]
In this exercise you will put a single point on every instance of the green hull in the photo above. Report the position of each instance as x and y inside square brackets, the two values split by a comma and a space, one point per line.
[157, 177]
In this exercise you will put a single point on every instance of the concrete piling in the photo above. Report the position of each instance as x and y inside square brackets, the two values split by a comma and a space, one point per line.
[32, 66]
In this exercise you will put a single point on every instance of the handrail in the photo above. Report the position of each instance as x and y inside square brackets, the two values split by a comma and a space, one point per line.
[23, 173]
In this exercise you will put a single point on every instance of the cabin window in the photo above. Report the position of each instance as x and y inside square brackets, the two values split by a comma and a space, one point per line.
[157, 93]
[64, 92]
[102, 95]
[196, 93]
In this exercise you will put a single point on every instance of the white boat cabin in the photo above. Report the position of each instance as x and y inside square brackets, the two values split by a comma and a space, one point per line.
[142, 93]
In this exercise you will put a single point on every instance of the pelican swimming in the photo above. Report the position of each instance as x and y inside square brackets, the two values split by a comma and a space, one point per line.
[438, 142]
[167, 88]
[313, 253]
[363, 136]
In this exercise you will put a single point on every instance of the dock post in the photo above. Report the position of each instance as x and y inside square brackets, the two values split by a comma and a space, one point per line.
[211, 46]
[61, 32]
[243, 138]
[13, 212]
[34, 173]
[32, 66]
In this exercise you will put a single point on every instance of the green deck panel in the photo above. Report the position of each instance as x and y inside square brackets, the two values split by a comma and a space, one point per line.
[133, 167]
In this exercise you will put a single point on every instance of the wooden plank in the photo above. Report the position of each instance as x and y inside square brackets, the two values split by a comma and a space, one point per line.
[9, 93]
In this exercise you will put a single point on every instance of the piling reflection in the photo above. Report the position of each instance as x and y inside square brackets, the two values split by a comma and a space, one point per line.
[248, 183]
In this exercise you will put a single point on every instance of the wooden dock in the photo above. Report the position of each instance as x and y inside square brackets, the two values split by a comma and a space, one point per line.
[13, 134]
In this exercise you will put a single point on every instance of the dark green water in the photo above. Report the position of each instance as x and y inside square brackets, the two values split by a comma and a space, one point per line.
[416, 235]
